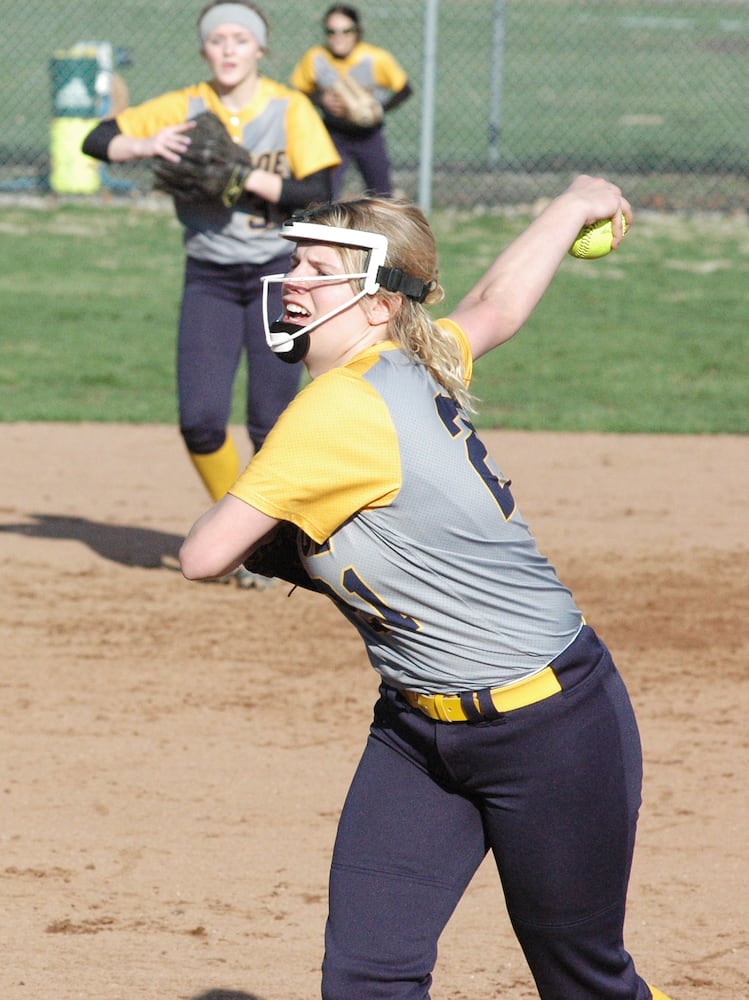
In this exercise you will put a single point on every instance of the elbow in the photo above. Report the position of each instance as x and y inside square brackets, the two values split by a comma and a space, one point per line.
[193, 564]
[315, 187]
[199, 561]
[187, 565]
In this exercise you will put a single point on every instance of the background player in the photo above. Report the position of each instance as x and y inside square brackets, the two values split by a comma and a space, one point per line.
[502, 722]
[228, 250]
[346, 55]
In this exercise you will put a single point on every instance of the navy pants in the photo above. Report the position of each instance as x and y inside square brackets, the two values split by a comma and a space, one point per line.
[221, 315]
[369, 153]
[553, 790]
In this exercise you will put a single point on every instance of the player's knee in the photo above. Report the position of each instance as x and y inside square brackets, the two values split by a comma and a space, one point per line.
[203, 440]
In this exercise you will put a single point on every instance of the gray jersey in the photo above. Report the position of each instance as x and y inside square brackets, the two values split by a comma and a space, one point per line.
[439, 571]
[283, 134]
[242, 234]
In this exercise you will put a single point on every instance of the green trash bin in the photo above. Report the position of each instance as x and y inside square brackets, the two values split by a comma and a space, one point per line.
[74, 113]
[73, 84]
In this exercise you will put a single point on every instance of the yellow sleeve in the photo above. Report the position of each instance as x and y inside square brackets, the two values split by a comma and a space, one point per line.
[389, 73]
[313, 470]
[465, 348]
[143, 120]
[309, 146]
[303, 74]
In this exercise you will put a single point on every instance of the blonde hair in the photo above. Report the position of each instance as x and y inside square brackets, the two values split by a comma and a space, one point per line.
[412, 249]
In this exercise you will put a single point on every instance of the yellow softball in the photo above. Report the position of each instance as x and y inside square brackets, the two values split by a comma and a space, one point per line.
[595, 240]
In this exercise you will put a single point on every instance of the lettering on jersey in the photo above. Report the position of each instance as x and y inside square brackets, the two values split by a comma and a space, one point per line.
[457, 424]
[386, 618]
[259, 213]
[274, 161]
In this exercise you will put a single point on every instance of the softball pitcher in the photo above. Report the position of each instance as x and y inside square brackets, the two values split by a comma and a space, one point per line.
[502, 723]
[230, 249]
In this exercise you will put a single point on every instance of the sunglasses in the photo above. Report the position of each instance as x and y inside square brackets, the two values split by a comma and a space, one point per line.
[340, 31]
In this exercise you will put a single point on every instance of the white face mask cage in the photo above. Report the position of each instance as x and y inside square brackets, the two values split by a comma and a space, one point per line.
[281, 341]
[376, 243]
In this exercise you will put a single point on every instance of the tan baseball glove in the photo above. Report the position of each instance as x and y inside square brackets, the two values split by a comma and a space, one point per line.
[361, 107]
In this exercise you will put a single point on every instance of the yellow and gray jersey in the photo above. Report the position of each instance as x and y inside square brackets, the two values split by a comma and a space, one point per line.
[411, 528]
[374, 68]
[282, 132]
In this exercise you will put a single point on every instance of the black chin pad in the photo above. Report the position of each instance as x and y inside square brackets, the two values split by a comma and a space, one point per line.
[299, 345]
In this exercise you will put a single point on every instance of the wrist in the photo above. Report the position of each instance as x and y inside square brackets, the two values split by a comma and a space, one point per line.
[263, 184]
[568, 212]
[144, 148]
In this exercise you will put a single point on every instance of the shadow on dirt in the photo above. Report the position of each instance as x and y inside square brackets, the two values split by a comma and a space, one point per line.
[119, 543]
[227, 995]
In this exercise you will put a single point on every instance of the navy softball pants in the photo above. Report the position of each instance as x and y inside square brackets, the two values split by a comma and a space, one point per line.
[369, 152]
[552, 789]
[221, 315]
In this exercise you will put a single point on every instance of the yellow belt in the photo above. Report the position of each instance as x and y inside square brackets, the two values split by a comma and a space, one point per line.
[448, 707]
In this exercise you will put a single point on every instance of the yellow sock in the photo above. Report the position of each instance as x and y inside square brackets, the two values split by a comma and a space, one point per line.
[218, 469]
[657, 995]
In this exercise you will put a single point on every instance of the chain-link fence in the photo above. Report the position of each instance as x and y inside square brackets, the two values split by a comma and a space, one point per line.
[525, 92]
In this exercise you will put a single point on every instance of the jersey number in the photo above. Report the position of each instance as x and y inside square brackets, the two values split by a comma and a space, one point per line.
[387, 617]
[457, 423]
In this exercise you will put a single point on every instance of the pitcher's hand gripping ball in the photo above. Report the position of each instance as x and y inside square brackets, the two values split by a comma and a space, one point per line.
[595, 240]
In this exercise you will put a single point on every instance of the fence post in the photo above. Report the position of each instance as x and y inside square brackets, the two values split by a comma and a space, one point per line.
[427, 105]
[497, 56]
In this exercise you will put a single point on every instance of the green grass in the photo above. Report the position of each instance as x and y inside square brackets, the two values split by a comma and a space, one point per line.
[651, 339]
[93, 297]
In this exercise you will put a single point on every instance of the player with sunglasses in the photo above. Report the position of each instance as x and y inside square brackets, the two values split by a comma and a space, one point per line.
[329, 74]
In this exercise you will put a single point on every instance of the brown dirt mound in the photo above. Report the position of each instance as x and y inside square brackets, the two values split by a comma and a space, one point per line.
[175, 754]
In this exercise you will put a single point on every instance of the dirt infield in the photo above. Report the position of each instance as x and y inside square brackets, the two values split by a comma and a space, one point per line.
[175, 754]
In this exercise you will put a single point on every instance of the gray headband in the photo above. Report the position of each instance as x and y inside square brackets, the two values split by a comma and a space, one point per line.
[233, 13]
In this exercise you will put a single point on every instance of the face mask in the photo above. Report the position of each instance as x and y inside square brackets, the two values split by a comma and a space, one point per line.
[290, 341]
